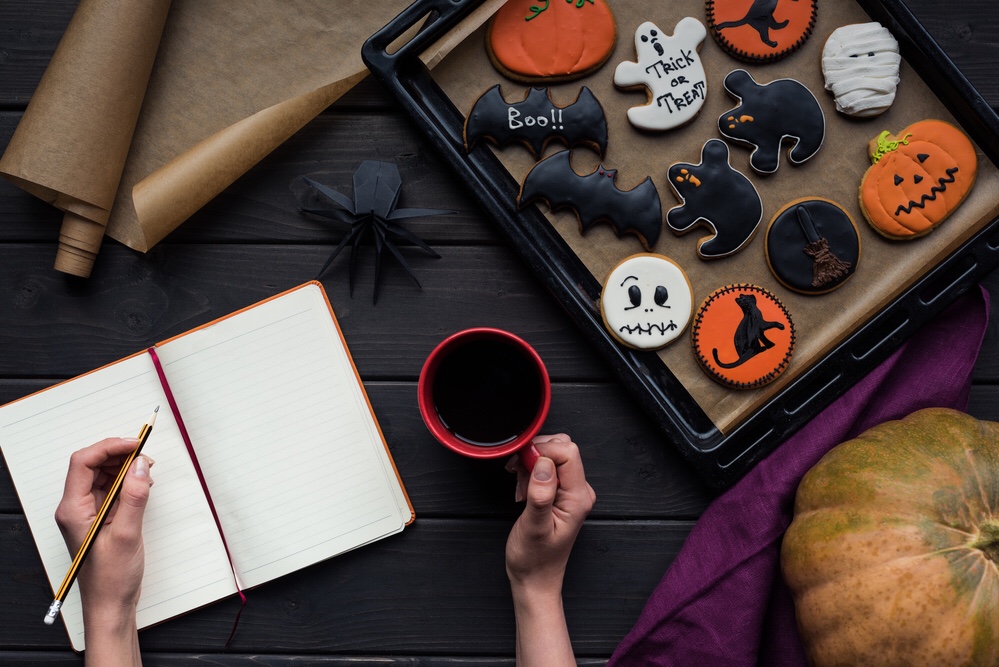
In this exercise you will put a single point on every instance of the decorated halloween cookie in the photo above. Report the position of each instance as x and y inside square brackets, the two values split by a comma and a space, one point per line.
[646, 301]
[714, 195]
[917, 178]
[768, 114]
[860, 64]
[550, 40]
[670, 70]
[595, 198]
[760, 31]
[742, 336]
[812, 245]
[536, 120]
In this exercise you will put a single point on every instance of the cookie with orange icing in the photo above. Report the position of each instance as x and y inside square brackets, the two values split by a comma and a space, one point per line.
[550, 40]
[760, 31]
[917, 178]
[743, 336]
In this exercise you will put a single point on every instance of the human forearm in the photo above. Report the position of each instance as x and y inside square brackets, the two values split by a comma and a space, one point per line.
[112, 637]
[542, 635]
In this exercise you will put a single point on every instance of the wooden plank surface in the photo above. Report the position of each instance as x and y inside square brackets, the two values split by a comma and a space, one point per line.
[405, 601]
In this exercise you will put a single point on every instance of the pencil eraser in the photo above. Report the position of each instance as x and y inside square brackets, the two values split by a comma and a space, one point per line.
[49, 620]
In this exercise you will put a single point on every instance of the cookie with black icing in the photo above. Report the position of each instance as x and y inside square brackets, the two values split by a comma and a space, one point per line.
[760, 31]
[770, 113]
[812, 245]
[716, 196]
[595, 198]
[536, 121]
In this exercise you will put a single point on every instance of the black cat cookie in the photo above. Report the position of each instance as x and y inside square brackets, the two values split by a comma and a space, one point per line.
[812, 246]
[742, 336]
[536, 120]
[595, 198]
[716, 196]
[770, 113]
[760, 31]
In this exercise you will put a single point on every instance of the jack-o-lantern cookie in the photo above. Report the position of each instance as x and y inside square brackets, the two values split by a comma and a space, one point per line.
[760, 31]
[917, 178]
[647, 301]
[812, 246]
[670, 70]
[550, 40]
[742, 336]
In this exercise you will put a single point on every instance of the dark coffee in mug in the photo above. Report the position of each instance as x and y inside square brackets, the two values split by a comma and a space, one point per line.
[487, 391]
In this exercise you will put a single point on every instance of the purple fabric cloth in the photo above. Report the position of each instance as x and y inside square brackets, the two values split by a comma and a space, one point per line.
[723, 601]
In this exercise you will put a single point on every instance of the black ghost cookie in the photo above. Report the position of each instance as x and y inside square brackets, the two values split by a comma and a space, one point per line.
[714, 195]
[536, 120]
[812, 245]
[768, 114]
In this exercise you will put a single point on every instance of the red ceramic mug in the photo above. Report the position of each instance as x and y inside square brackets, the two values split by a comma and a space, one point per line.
[485, 393]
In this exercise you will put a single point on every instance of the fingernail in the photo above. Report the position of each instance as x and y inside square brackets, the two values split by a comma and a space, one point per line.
[151, 460]
[543, 469]
[141, 467]
[518, 494]
[131, 441]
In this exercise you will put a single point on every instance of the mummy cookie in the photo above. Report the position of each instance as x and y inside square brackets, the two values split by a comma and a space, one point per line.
[760, 31]
[768, 114]
[670, 69]
[860, 64]
[743, 336]
[812, 246]
[550, 40]
[917, 178]
[536, 120]
[716, 196]
[647, 301]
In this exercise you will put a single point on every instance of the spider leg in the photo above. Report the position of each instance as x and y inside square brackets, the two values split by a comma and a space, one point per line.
[354, 254]
[409, 236]
[379, 237]
[355, 231]
[333, 195]
[402, 260]
[403, 213]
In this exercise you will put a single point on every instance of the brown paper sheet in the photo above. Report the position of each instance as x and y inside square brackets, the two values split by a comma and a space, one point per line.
[885, 267]
[231, 82]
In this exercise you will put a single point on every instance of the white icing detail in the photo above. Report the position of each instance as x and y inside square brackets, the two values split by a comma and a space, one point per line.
[862, 84]
[648, 325]
[670, 67]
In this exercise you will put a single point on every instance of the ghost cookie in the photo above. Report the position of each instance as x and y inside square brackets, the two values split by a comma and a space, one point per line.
[760, 31]
[646, 301]
[768, 114]
[917, 178]
[670, 70]
[812, 246]
[537, 41]
[742, 336]
[860, 64]
[716, 196]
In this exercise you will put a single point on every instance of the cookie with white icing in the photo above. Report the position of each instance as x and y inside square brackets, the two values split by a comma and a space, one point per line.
[647, 301]
[669, 68]
[860, 63]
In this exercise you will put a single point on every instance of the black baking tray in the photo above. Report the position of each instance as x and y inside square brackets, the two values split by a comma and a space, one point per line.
[719, 458]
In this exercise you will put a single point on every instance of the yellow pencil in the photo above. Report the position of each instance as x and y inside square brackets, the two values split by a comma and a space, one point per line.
[95, 527]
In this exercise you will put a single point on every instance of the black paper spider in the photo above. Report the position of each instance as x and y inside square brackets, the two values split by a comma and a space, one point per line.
[372, 212]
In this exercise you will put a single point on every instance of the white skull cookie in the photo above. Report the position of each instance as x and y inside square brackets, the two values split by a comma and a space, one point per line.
[670, 68]
[647, 301]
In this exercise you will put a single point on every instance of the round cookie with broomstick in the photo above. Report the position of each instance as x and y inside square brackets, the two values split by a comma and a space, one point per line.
[812, 245]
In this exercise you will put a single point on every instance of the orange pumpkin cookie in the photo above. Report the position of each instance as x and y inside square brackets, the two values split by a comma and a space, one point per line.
[743, 336]
[550, 40]
[760, 31]
[917, 178]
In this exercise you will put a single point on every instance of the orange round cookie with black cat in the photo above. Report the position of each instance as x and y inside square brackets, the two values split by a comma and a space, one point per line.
[743, 336]
[760, 31]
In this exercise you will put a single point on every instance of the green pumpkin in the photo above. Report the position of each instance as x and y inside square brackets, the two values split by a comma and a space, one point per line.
[893, 554]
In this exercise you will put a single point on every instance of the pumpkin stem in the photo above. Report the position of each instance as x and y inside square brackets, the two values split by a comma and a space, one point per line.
[881, 145]
[988, 541]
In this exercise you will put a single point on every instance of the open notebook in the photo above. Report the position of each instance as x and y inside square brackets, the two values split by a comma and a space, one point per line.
[291, 452]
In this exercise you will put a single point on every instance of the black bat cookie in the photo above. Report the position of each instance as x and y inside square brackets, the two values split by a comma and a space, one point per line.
[536, 120]
[595, 197]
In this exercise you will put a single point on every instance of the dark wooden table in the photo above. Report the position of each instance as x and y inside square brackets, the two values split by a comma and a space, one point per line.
[436, 594]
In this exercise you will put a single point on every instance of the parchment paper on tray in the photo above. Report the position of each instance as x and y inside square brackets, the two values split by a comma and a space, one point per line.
[885, 268]
[231, 82]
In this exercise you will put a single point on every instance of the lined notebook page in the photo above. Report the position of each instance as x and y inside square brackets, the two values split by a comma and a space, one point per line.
[292, 456]
[186, 566]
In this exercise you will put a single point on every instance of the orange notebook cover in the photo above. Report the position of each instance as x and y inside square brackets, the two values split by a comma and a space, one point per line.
[292, 454]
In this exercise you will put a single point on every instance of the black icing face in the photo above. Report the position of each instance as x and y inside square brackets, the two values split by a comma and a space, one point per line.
[653, 37]
[658, 297]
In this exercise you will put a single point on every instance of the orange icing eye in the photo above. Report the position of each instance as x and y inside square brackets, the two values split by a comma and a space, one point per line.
[745, 119]
[696, 181]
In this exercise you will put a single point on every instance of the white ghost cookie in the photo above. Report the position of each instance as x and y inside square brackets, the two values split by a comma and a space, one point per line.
[647, 301]
[860, 64]
[670, 68]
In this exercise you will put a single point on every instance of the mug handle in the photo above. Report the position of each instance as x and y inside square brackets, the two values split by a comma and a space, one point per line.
[529, 455]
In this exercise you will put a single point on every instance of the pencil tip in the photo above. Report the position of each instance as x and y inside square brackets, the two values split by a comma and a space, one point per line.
[157, 409]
